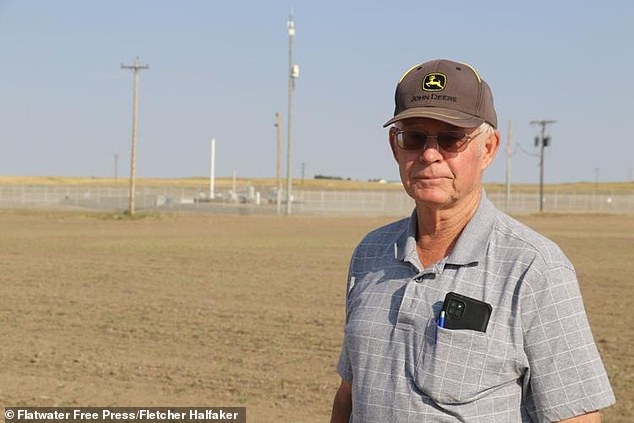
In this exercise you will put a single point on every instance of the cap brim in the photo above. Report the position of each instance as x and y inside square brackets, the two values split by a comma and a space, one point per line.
[452, 117]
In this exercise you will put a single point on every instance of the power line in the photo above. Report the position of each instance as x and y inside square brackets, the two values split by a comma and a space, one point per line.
[519, 147]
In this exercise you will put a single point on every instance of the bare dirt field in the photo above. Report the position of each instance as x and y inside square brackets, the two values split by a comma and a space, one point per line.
[193, 310]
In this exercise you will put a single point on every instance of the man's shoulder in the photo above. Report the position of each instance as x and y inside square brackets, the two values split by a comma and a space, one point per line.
[378, 248]
[511, 234]
[386, 234]
[382, 239]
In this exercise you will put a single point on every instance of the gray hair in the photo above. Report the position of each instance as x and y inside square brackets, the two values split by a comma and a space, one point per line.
[486, 127]
[483, 129]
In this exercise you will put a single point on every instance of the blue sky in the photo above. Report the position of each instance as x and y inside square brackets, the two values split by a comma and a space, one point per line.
[219, 69]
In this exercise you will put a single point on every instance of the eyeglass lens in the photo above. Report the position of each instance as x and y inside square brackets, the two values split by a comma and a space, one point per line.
[417, 140]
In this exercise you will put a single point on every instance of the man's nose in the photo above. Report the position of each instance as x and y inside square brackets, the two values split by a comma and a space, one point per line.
[431, 150]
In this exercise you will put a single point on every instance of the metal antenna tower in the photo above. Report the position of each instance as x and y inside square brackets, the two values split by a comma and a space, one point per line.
[293, 73]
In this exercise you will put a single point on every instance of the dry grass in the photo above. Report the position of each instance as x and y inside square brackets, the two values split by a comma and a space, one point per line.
[228, 310]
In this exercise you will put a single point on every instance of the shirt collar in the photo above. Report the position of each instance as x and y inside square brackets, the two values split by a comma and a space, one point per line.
[405, 244]
[472, 242]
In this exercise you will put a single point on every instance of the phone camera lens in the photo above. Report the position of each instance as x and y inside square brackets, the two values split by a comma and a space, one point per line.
[455, 309]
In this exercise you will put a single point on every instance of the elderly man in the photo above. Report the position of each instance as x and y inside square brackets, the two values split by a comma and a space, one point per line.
[460, 313]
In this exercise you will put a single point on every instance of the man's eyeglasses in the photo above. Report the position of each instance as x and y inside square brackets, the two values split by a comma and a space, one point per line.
[450, 142]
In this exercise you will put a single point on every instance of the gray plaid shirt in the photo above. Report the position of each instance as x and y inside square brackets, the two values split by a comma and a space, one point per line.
[537, 360]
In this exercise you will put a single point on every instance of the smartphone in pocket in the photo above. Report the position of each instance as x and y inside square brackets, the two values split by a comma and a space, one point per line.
[462, 312]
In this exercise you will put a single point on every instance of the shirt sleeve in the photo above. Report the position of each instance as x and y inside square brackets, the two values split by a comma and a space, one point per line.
[566, 376]
[344, 367]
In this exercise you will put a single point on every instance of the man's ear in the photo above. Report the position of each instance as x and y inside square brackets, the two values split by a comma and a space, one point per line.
[490, 148]
[392, 139]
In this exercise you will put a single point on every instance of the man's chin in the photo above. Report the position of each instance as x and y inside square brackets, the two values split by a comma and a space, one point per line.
[430, 195]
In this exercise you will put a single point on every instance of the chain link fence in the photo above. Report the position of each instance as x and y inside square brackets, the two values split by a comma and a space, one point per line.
[250, 200]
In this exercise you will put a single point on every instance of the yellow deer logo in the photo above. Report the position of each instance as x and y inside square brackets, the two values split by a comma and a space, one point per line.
[434, 82]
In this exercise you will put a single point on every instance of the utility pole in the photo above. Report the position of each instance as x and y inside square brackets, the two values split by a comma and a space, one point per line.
[509, 152]
[278, 162]
[293, 73]
[542, 141]
[136, 67]
[212, 169]
[116, 168]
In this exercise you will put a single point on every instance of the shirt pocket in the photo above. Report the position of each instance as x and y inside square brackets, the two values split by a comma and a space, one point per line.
[450, 367]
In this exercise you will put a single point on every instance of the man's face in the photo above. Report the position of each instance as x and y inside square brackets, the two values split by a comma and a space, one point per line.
[438, 179]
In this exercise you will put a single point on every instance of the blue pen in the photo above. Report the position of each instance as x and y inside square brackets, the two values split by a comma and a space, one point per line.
[441, 319]
[441, 324]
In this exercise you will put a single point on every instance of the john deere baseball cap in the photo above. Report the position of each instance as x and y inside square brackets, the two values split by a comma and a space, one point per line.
[447, 91]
